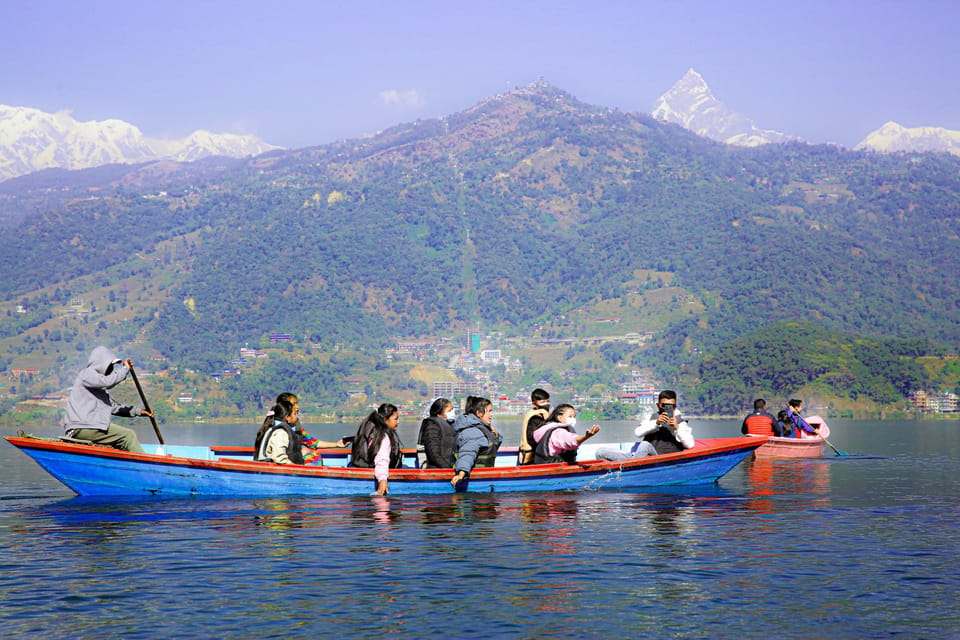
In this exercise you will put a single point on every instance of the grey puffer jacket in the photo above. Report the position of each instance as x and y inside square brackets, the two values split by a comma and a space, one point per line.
[472, 437]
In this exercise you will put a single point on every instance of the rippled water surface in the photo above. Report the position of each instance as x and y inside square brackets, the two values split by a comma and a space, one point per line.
[862, 546]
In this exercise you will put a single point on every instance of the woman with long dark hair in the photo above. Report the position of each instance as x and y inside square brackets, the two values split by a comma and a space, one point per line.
[279, 440]
[309, 445]
[377, 445]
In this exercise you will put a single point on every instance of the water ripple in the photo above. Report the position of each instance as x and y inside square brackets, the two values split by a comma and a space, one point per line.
[796, 549]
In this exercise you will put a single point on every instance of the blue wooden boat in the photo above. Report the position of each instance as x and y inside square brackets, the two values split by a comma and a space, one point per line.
[182, 470]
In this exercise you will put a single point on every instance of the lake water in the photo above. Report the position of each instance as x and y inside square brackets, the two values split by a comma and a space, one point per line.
[863, 546]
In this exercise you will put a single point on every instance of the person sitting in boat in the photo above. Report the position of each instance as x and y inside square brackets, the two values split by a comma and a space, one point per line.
[532, 421]
[309, 444]
[783, 421]
[801, 428]
[761, 423]
[378, 446]
[281, 441]
[477, 439]
[437, 437]
[665, 431]
[557, 440]
[90, 406]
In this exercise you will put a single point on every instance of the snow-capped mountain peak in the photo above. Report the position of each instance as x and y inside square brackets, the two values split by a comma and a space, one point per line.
[689, 96]
[893, 136]
[31, 139]
[691, 104]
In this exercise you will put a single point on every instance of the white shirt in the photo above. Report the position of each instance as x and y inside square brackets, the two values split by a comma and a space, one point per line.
[683, 434]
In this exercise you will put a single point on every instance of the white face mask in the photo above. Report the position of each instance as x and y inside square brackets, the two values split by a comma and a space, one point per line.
[571, 422]
[448, 416]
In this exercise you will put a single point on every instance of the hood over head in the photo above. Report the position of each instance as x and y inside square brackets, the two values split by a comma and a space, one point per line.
[467, 420]
[102, 360]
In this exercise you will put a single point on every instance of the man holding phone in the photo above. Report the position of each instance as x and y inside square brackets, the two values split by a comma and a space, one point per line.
[666, 429]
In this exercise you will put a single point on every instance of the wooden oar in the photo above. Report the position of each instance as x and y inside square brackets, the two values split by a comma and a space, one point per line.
[146, 405]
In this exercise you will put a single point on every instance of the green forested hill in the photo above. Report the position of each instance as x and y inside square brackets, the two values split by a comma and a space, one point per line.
[781, 358]
[519, 210]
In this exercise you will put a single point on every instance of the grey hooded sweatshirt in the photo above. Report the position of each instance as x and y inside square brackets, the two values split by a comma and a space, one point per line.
[90, 405]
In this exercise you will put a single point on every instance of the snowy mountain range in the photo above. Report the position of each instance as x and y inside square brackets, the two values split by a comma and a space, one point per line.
[893, 137]
[692, 105]
[31, 140]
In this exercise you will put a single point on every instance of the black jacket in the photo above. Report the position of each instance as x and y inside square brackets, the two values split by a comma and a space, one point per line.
[439, 441]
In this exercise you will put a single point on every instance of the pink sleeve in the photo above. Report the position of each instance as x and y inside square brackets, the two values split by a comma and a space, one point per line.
[381, 463]
[562, 440]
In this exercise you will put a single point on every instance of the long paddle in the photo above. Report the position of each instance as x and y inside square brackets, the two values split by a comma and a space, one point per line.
[146, 405]
[823, 432]
[839, 453]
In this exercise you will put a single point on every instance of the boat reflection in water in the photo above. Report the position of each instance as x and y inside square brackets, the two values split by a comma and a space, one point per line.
[779, 479]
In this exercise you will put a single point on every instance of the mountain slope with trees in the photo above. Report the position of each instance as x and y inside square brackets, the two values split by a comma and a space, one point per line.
[512, 213]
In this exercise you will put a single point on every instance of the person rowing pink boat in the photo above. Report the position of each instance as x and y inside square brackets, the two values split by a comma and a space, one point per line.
[801, 428]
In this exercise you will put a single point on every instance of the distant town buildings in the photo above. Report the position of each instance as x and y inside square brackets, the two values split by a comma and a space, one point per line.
[417, 347]
[490, 356]
[458, 388]
[639, 391]
[938, 402]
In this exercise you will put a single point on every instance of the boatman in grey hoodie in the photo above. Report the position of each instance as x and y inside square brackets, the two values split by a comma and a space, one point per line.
[90, 406]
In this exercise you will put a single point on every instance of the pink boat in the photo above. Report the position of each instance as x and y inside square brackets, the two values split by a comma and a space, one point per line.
[806, 447]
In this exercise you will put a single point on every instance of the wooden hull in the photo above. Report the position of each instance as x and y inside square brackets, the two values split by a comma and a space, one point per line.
[791, 448]
[796, 447]
[202, 471]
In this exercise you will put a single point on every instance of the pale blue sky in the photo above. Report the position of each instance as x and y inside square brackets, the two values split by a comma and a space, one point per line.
[307, 73]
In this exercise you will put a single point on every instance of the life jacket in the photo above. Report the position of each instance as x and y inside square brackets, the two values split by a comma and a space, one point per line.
[541, 454]
[294, 443]
[759, 424]
[526, 444]
[663, 441]
[487, 456]
[361, 445]
[361, 454]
